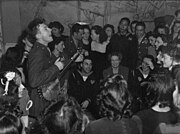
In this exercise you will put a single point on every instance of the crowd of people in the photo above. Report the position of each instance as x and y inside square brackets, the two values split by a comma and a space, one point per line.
[93, 81]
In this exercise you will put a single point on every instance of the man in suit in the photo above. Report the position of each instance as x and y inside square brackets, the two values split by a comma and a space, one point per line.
[42, 68]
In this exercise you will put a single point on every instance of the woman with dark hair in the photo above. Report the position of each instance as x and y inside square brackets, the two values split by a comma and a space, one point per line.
[161, 40]
[64, 117]
[86, 39]
[57, 30]
[161, 88]
[98, 48]
[113, 101]
[175, 35]
[10, 124]
[109, 30]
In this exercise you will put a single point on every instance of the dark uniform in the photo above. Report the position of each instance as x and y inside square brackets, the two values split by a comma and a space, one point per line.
[119, 43]
[142, 49]
[41, 70]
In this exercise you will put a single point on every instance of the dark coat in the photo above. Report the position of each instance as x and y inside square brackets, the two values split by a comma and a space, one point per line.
[71, 48]
[82, 90]
[41, 70]
[142, 49]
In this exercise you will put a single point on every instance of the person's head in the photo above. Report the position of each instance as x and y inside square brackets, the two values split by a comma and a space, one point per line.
[123, 25]
[87, 65]
[176, 27]
[64, 117]
[87, 32]
[167, 56]
[40, 31]
[114, 99]
[152, 38]
[140, 29]
[77, 31]
[161, 29]
[57, 44]
[98, 34]
[115, 59]
[57, 28]
[25, 41]
[133, 26]
[159, 55]
[163, 87]
[147, 63]
[109, 29]
[10, 124]
[12, 58]
[177, 15]
[161, 40]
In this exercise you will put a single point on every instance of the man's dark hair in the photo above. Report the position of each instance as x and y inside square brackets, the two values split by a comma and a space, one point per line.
[55, 42]
[57, 25]
[33, 26]
[141, 23]
[75, 28]
[125, 19]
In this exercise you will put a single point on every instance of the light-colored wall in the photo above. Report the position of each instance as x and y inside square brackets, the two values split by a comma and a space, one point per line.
[18, 13]
[11, 25]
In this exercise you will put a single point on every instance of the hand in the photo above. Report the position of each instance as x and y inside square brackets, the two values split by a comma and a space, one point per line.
[59, 64]
[86, 53]
[85, 104]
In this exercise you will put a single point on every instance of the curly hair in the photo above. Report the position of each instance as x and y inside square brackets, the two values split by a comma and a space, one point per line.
[10, 124]
[114, 100]
[102, 35]
[64, 116]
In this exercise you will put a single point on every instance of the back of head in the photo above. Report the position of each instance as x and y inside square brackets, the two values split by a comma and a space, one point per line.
[64, 117]
[10, 124]
[114, 99]
[162, 86]
[12, 58]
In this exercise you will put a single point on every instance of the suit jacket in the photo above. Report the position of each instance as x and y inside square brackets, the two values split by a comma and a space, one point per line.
[124, 71]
